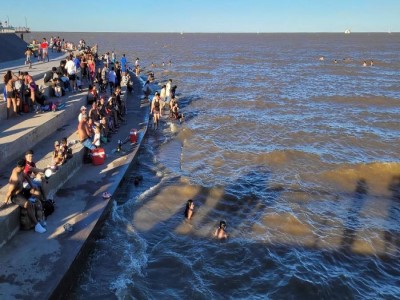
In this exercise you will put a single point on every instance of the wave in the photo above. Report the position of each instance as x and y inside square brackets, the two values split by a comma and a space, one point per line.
[361, 102]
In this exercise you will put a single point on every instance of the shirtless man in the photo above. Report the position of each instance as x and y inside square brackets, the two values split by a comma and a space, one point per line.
[34, 173]
[220, 232]
[19, 196]
[84, 133]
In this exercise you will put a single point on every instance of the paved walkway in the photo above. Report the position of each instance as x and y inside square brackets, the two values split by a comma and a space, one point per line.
[37, 66]
[42, 266]
[37, 71]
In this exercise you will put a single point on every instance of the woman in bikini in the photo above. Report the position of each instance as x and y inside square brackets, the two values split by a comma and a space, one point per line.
[9, 81]
[156, 109]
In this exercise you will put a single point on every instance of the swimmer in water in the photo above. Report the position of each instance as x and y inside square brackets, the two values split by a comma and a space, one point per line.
[220, 232]
[189, 209]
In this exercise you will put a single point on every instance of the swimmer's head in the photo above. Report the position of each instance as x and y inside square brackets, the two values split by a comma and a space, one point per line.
[222, 225]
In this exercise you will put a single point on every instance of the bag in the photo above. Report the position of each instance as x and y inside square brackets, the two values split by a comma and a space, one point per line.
[87, 157]
[48, 207]
[98, 156]
[25, 221]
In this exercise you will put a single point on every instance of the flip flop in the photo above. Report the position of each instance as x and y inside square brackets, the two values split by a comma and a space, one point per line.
[106, 195]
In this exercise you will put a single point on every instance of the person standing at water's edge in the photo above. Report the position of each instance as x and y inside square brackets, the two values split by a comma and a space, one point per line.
[156, 109]
[168, 91]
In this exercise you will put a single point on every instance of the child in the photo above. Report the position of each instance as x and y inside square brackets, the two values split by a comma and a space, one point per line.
[65, 149]
[28, 54]
[96, 139]
[58, 157]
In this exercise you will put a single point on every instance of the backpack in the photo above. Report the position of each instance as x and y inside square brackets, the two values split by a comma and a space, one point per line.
[48, 207]
[25, 221]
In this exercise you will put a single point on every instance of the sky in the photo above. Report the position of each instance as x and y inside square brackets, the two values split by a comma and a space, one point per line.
[204, 15]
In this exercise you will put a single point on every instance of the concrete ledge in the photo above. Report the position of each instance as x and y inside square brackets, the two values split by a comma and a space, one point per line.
[9, 217]
[80, 203]
[9, 223]
[3, 110]
[44, 126]
[46, 90]
[33, 129]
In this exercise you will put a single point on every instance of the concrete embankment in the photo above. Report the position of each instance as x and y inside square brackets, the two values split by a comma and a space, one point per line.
[43, 266]
[12, 47]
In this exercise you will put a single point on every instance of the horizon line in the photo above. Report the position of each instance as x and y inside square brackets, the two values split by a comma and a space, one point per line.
[216, 32]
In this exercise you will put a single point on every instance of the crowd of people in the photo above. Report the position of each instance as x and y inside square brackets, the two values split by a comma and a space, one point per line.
[106, 113]
[161, 100]
[102, 76]
[21, 93]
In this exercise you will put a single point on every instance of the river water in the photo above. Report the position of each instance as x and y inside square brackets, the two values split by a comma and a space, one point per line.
[300, 156]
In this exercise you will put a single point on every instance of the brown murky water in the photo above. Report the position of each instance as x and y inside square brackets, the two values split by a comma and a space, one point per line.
[300, 156]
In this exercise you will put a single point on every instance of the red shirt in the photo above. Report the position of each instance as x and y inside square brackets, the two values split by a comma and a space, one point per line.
[28, 166]
[44, 45]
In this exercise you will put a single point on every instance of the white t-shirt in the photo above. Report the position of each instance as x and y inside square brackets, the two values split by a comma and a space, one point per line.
[97, 139]
[163, 93]
[70, 67]
[168, 89]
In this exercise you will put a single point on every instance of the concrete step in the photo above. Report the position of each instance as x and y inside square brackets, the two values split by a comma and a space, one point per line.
[80, 203]
[38, 133]
[48, 127]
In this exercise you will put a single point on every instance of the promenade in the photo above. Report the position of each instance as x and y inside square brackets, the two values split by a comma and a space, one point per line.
[43, 266]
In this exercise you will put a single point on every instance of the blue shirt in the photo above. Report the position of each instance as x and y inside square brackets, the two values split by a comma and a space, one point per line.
[77, 62]
[123, 63]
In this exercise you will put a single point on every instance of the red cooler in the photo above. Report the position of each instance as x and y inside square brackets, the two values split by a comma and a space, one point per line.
[98, 156]
[133, 135]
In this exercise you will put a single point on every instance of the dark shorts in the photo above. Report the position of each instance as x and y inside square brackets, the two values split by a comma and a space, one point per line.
[10, 94]
[71, 76]
[21, 198]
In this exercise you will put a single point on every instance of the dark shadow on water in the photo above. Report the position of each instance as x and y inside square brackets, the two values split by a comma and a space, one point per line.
[392, 232]
[352, 224]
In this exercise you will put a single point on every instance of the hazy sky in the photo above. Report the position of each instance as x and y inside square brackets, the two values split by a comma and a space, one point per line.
[204, 15]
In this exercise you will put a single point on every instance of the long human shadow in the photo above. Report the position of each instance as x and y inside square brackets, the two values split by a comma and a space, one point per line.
[241, 204]
[352, 223]
[392, 231]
